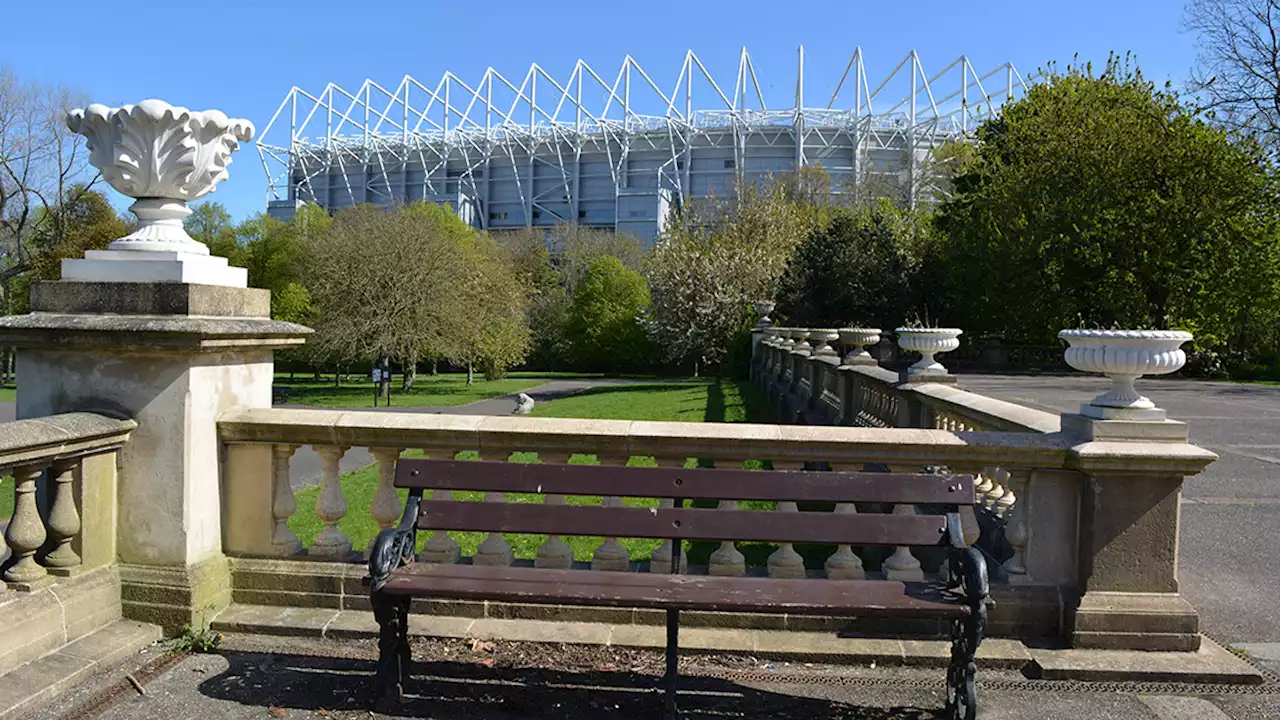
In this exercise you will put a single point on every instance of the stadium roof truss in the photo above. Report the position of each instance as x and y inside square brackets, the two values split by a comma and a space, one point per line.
[544, 120]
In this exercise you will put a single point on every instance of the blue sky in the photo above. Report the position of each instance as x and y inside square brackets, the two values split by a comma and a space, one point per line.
[244, 58]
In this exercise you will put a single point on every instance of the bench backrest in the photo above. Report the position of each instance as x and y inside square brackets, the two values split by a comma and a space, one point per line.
[687, 523]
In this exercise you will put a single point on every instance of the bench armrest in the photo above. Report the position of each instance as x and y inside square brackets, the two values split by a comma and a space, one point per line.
[393, 548]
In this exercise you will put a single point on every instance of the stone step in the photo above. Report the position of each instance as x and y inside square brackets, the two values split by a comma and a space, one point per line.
[43, 679]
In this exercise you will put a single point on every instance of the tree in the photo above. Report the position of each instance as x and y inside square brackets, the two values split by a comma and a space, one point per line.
[1237, 71]
[1099, 200]
[855, 270]
[713, 260]
[548, 297]
[574, 247]
[606, 319]
[489, 328]
[87, 222]
[210, 223]
[43, 167]
[384, 284]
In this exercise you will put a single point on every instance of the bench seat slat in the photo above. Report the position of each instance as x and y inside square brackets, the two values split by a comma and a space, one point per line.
[684, 523]
[694, 484]
[845, 598]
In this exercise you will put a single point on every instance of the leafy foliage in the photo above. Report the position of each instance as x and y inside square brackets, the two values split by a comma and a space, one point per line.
[859, 269]
[605, 323]
[713, 260]
[384, 283]
[86, 222]
[1099, 200]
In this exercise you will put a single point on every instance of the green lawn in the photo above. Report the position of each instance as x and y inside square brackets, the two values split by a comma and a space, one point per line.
[684, 401]
[8, 394]
[6, 498]
[427, 391]
[698, 401]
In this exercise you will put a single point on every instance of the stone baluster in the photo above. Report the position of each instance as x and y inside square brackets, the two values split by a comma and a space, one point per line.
[1016, 532]
[844, 564]
[331, 506]
[26, 532]
[992, 496]
[64, 520]
[494, 550]
[554, 552]
[660, 559]
[727, 560]
[385, 507]
[283, 503]
[440, 547]
[985, 483]
[968, 516]
[785, 562]
[610, 555]
[902, 565]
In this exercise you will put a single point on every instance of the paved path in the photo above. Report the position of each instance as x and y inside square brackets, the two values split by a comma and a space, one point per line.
[1230, 562]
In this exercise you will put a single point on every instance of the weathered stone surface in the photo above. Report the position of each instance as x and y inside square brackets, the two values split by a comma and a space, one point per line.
[40, 622]
[37, 681]
[176, 595]
[181, 333]
[1211, 664]
[127, 298]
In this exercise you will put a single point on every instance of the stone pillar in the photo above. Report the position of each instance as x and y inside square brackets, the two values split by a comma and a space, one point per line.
[1128, 534]
[172, 356]
[158, 330]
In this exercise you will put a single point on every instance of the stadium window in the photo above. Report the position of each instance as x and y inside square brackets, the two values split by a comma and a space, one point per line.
[729, 164]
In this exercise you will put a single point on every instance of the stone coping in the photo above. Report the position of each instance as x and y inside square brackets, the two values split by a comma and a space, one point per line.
[149, 332]
[843, 447]
[498, 436]
[58, 437]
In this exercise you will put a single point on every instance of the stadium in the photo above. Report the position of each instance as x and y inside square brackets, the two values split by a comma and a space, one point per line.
[616, 150]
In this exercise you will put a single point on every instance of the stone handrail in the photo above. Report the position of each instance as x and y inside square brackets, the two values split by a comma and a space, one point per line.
[499, 436]
[75, 453]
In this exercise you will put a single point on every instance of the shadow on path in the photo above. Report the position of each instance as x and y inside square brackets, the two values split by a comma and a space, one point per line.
[444, 690]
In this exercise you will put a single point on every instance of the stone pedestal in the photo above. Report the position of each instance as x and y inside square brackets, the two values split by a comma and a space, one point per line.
[173, 357]
[1128, 536]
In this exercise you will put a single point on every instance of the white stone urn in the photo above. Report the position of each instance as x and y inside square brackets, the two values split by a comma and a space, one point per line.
[858, 340]
[821, 340]
[928, 342]
[163, 157]
[1124, 356]
[763, 308]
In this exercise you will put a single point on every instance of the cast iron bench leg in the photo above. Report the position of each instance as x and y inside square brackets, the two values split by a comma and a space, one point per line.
[394, 654]
[966, 636]
[669, 680]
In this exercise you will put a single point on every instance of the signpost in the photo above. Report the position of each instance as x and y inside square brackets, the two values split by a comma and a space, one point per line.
[377, 384]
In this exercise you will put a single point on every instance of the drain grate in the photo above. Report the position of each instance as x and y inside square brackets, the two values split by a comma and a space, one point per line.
[111, 695]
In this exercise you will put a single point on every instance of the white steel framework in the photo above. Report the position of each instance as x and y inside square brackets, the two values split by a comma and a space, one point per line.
[613, 150]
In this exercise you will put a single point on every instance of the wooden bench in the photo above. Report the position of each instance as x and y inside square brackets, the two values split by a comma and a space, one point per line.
[395, 578]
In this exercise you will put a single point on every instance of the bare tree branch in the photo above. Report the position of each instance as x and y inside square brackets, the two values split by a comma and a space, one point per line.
[1237, 71]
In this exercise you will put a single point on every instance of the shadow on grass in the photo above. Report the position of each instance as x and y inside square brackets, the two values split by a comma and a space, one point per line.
[444, 690]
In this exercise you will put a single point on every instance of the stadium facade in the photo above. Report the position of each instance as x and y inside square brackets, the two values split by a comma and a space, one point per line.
[615, 151]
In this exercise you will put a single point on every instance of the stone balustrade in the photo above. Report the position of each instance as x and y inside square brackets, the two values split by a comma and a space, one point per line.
[1032, 483]
[1026, 513]
[64, 472]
